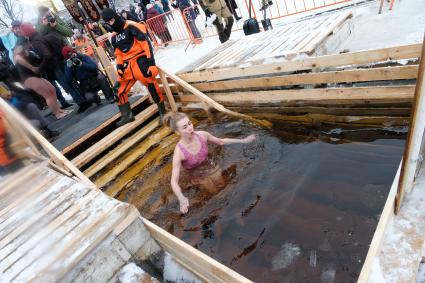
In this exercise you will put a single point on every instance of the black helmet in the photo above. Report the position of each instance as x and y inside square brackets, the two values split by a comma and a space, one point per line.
[109, 14]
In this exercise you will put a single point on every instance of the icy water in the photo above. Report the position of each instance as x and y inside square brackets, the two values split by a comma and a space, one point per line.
[300, 204]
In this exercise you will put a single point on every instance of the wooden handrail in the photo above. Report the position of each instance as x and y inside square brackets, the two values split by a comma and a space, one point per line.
[212, 103]
[54, 154]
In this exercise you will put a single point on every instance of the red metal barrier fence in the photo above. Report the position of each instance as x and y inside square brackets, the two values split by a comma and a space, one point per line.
[191, 25]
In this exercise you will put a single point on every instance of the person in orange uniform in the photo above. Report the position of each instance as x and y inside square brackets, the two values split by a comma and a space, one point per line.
[80, 41]
[135, 62]
[7, 159]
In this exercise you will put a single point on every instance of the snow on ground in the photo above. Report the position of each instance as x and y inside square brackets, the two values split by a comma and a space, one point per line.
[403, 243]
[173, 272]
[178, 55]
[367, 30]
[404, 25]
[420, 278]
[131, 273]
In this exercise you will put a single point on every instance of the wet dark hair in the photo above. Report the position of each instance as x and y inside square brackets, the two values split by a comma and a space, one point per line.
[171, 119]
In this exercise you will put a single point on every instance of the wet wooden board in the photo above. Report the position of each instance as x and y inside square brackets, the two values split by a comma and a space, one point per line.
[327, 61]
[113, 137]
[313, 97]
[353, 75]
[289, 39]
[51, 223]
[87, 124]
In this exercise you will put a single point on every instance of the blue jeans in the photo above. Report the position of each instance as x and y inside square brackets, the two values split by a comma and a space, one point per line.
[69, 87]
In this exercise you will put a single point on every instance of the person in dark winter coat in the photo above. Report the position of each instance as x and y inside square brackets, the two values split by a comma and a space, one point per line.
[83, 70]
[129, 16]
[190, 14]
[156, 22]
[49, 48]
[231, 4]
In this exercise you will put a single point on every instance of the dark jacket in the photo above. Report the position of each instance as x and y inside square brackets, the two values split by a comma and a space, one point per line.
[42, 48]
[157, 24]
[183, 5]
[85, 75]
[165, 5]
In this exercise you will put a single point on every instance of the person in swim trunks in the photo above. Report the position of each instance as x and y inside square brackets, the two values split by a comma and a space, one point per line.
[191, 150]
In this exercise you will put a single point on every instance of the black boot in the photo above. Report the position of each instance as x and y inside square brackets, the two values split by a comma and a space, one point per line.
[220, 30]
[66, 105]
[161, 110]
[126, 114]
[83, 107]
[49, 134]
[228, 28]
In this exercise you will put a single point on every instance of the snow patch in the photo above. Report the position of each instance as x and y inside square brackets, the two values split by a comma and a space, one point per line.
[173, 272]
[328, 275]
[286, 256]
[131, 273]
[376, 274]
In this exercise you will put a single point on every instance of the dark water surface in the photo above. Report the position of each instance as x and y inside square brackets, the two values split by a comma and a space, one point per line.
[300, 205]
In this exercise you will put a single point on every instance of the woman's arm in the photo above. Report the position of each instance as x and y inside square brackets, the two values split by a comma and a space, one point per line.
[177, 160]
[225, 141]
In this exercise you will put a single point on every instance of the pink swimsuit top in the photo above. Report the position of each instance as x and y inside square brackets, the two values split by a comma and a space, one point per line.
[194, 160]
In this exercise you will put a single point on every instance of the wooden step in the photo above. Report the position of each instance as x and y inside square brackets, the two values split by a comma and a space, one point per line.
[114, 137]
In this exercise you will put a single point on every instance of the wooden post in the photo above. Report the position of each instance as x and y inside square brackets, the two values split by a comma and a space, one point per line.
[48, 147]
[211, 102]
[168, 91]
[414, 138]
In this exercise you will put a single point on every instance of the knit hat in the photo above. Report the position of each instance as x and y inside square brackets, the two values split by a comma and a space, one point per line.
[27, 29]
[108, 14]
[67, 51]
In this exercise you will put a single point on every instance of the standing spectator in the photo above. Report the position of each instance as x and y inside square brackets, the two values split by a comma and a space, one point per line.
[56, 33]
[219, 8]
[157, 24]
[83, 70]
[141, 12]
[132, 14]
[231, 4]
[9, 39]
[81, 43]
[48, 22]
[190, 13]
[128, 16]
[96, 29]
[49, 47]
[158, 6]
[26, 63]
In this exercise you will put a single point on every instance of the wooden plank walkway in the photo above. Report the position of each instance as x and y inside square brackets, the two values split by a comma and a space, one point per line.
[283, 41]
[48, 222]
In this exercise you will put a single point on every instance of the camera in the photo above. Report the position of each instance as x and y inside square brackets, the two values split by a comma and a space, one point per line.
[76, 61]
[50, 18]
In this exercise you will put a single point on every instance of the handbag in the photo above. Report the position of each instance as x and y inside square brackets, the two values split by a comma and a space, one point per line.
[251, 25]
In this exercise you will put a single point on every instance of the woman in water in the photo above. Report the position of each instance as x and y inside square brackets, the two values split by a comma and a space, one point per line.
[191, 152]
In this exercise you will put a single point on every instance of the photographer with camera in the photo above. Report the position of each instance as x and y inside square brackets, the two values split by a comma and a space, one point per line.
[49, 22]
[82, 70]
